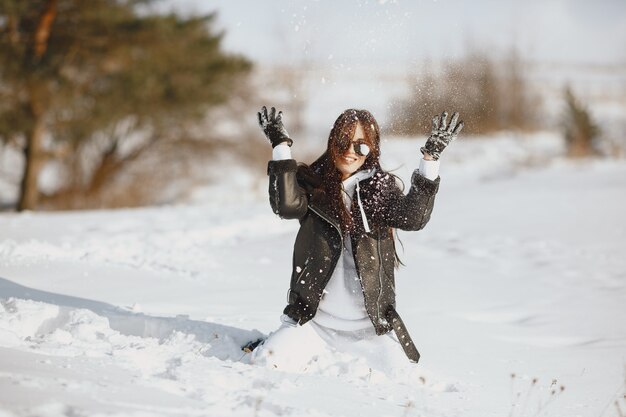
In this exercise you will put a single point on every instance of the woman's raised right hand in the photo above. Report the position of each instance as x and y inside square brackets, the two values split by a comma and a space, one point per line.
[272, 126]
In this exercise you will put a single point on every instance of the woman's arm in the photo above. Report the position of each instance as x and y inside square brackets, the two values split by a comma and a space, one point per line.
[287, 198]
[411, 211]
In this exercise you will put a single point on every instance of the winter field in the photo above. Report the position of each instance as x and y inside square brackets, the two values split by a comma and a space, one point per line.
[515, 295]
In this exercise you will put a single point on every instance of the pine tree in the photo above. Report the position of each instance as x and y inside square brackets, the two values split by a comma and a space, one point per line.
[75, 71]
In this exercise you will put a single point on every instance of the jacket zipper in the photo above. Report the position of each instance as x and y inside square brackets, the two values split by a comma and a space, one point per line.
[329, 274]
[380, 278]
[329, 222]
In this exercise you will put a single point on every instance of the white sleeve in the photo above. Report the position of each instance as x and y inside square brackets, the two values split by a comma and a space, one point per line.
[281, 151]
[285, 319]
[429, 169]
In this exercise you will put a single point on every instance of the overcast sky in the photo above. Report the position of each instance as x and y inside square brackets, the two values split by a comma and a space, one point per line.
[398, 32]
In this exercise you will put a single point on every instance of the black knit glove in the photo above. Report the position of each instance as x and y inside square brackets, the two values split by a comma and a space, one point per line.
[273, 127]
[442, 134]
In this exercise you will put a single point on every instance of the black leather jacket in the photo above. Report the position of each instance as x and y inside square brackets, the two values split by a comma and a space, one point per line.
[319, 241]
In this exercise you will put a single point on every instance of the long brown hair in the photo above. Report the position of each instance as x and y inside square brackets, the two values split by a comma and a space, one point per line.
[325, 177]
[325, 167]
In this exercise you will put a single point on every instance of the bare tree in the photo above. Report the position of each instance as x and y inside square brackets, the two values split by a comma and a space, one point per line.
[490, 95]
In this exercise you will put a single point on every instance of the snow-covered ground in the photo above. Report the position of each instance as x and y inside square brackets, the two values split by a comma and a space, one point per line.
[515, 290]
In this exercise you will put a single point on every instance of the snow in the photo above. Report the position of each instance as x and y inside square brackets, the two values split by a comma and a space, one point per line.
[519, 275]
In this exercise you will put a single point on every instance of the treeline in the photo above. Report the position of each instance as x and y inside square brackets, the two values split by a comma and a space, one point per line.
[98, 86]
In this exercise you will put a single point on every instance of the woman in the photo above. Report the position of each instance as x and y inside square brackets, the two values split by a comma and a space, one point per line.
[342, 288]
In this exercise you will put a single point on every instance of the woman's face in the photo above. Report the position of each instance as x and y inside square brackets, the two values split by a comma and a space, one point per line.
[349, 162]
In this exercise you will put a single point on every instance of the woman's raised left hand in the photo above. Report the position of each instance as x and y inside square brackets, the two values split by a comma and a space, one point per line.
[441, 135]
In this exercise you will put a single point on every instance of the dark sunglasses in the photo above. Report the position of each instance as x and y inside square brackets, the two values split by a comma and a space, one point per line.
[360, 146]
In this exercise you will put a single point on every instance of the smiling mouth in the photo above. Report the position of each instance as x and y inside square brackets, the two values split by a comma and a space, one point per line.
[349, 159]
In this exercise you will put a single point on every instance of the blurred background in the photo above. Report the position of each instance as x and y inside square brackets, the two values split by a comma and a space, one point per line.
[126, 103]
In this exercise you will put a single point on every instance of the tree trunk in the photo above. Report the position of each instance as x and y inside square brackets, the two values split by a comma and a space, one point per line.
[33, 162]
[34, 158]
